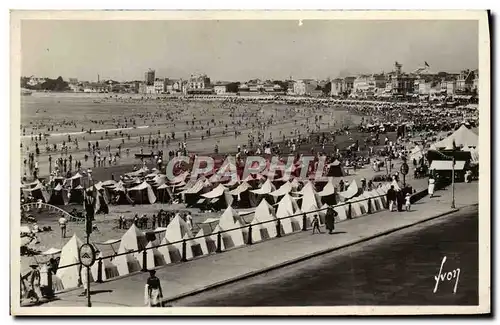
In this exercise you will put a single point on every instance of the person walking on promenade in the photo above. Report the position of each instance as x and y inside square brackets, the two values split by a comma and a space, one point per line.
[400, 198]
[154, 291]
[430, 189]
[84, 280]
[315, 224]
[330, 219]
[391, 197]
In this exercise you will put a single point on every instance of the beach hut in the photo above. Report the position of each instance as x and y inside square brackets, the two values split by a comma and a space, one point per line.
[219, 198]
[76, 180]
[164, 193]
[59, 196]
[120, 194]
[38, 192]
[335, 169]
[142, 194]
[244, 197]
[76, 195]
[192, 195]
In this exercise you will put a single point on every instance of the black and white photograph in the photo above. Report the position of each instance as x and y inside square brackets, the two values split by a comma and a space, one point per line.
[299, 163]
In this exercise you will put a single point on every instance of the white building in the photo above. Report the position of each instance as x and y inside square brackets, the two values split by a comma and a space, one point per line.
[220, 89]
[299, 88]
[199, 82]
[36, 81]
[159, 86]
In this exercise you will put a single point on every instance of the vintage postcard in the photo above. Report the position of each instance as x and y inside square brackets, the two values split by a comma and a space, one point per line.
[269, 162]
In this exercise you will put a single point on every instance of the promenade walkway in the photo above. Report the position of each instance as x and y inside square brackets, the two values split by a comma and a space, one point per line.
[179, 280]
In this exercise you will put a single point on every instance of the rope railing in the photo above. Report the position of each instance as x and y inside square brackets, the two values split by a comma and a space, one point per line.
[219, 249]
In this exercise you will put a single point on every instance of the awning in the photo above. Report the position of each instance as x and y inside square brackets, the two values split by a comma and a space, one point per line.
[447, 165]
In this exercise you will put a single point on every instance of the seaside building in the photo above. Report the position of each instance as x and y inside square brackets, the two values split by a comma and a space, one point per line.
[198, 81]
[159, 86]
[34, 81]
[220, 88]
[465, 81]
[149, 77]
[305, 87]
[475, 82]
[337, 87]
[402, 84]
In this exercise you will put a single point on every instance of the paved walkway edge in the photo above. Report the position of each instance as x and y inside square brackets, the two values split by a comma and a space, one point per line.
[305, 257]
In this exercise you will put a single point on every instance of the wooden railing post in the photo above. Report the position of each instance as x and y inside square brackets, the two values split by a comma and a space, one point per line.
[219, 243]
[278, 228]
[304, 222]
[249, 242]
[144, 261]
[370, 206]
[184, 258]
[349, 211]
[99, 270]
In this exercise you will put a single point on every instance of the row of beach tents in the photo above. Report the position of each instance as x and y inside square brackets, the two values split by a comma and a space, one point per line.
[166, 246]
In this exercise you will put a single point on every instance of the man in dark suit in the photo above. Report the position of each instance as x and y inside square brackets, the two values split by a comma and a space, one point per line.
[391, 198]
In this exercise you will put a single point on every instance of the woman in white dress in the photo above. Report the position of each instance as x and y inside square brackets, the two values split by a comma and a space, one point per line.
[431, 186]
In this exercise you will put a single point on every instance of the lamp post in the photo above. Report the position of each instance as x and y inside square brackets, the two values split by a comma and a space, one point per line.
[404, 170]
[453, 183]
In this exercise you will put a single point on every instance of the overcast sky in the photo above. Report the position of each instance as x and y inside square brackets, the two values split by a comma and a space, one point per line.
[242, 50]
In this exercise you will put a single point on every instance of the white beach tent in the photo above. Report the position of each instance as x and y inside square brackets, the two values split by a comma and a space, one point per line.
[341, 211]
[154, 258]
[108, 269]
[284, 189]
[178, 230]
[207, 244]
[287, 206]
[142, 194]
[463, 137]
[230, 238]
[170, 252]
[352, 190]
[264, 212]
[311, 201]
[266, 188]
[69, 255]
[329, 193]
[132, 240]
[377, 203]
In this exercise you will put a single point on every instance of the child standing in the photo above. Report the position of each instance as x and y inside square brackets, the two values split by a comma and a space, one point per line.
[407, 202]
[315, 224]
